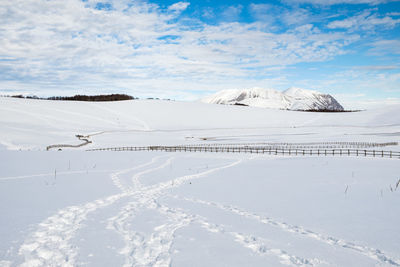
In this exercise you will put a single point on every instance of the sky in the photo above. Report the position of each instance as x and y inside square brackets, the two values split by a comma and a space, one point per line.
[185, 50]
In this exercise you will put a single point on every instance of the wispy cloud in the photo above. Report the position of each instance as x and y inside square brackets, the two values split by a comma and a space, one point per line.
[335, 2]
[180, 6]
[208, 13]
[232, 13]
[273, 14]
[367, 20]
[263, 12]
[377, 67]
[385, 47]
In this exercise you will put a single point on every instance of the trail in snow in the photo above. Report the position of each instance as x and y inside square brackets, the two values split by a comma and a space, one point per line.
[115, 172]
[142, 251]
[49, 244]
[115, 177]
[52, 174]
[154, 250]
[373, 253]
[136, 185]
[256, 244]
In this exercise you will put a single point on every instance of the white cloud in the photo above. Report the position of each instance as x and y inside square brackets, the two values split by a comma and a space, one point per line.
[208, 13]
[180, 6]
[273, 14]
[385, 47]
[232, 13]
[68, 44]
[335, 2]
[357, 87]
[378, 67]
[364, 21]
[263, 12]
[364, 103]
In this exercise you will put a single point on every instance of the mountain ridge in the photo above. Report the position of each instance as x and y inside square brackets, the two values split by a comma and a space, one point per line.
[293, 98]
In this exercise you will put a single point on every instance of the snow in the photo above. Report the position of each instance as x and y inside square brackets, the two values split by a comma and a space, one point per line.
[292, 99]
[73, 207]
[255, 97]
[34, 124]
[299, 92]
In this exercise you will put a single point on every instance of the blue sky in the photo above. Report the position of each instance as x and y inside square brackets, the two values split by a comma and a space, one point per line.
[188, 49]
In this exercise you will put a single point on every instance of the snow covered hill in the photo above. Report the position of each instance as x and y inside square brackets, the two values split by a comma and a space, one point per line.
[29, 124]
[292, 99]
[102, 208]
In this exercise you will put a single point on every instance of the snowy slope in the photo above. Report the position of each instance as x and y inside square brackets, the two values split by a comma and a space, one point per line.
[35, 124]
[79, 208]
[292, 99]
[302, 99]
[256, 97]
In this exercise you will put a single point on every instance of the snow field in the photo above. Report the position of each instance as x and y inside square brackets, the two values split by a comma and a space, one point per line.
[35, 124]
[78, 208]
[161, 209]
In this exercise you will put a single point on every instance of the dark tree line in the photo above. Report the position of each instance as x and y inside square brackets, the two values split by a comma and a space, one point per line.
[95, 98]
[327, 110]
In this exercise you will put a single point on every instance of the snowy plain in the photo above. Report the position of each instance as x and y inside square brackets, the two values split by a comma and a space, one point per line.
[79, 208]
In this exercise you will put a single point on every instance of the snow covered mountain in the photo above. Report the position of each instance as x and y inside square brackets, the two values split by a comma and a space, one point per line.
[292, 98]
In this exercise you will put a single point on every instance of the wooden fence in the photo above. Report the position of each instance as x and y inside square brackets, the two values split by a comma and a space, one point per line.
[80, 137]
[261, 150]
[307, 144]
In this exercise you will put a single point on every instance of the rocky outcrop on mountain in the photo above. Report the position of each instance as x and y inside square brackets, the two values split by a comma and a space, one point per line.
[291, 99]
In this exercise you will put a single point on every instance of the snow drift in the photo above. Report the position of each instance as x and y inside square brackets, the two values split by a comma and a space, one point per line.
[292, 99]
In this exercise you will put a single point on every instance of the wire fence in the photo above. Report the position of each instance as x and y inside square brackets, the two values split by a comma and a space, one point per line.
[261, 150]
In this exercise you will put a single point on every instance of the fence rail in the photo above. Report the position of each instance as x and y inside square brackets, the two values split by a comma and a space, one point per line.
[80, 137]
[307, 144]
[261, 150]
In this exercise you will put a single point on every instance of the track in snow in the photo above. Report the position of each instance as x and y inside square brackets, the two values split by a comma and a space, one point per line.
[372, 253]
[51, 244]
